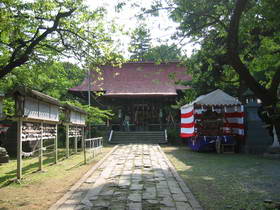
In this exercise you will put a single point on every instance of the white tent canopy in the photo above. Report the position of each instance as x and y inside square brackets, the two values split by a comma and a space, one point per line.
[217, 97]
[220, 102]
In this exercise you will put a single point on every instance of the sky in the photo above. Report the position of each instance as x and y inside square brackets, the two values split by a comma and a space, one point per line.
[161, 28]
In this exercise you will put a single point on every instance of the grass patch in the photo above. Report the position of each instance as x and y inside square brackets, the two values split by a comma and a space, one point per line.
[227, 181]
[39, 190]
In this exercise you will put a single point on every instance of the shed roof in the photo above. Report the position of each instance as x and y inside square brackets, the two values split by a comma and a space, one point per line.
[24, 91]
[74, 108]
[137, 78]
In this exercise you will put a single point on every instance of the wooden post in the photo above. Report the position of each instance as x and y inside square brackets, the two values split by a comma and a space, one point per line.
[67, 140]
[84, 145]
[93, 149]
[76, 140]
[160, 118]
[55, 144]
[19, 148]
[41, 149]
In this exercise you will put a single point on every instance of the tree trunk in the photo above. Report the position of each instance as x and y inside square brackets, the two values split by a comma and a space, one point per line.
[267, 96]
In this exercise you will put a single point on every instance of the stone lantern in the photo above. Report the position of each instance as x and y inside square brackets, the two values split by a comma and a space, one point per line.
[250, 98]
[257, 136]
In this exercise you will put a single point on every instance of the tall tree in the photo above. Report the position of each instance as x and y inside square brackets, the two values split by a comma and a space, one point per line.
[242, 35]
[163, 53]
[140, 42]
[33, 31]
[247, 31]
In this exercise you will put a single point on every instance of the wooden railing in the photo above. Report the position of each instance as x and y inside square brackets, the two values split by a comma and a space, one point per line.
[92, 146]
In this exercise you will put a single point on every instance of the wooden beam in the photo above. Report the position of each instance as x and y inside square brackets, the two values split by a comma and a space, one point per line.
[67, 141]
[41, 149]
[76, 140]
[84, 145]
[55, 145]
[19, 149]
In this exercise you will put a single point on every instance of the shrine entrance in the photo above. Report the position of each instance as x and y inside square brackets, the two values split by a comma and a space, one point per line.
[141, 114]
[146, 117]
[139, 117]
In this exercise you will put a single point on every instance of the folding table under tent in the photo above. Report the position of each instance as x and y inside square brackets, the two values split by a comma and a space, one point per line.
[212, 118]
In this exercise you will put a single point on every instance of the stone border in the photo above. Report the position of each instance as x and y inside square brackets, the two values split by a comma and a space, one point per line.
[191, 199]
[68, 194]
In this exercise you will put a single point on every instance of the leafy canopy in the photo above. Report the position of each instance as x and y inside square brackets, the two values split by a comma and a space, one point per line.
[163, 53]
[36, 31]
[239, 40]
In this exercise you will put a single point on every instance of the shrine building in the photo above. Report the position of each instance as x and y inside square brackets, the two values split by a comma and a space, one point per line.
[139, 93]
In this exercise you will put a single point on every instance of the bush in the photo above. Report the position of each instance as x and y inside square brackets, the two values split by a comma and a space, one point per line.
[173, 135]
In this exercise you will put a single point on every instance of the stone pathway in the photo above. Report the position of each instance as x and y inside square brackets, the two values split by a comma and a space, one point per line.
[135, 176]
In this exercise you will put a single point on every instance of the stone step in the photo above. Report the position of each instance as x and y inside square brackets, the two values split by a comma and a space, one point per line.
[143, 140]
[137, 133]
[138, 137]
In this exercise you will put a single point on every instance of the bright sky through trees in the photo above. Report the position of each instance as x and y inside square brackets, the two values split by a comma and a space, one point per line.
[161, 27]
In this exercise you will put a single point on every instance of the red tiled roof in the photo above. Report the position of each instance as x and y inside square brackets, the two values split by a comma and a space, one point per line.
[140, 78]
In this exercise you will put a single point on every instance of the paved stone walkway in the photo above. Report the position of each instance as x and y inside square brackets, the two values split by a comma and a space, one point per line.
[135, 176]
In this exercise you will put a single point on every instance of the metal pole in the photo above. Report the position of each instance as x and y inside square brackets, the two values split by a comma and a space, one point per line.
[89, 81]
[89, 101]
[67, 140]
[55, 144]
[19, 149]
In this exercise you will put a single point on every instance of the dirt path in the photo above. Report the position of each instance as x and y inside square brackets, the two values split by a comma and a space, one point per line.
[135, 176]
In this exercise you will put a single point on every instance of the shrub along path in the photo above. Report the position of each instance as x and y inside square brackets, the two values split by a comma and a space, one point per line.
[135, 176]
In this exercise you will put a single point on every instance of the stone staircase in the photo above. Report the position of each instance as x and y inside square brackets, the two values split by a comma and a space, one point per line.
[147, 137]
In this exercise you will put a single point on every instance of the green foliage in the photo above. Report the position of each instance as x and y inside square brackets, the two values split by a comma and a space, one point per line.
[208, 75]
[239, 45]
[52, 77]
[94, 114]
[37, 31]
[163, 53]
[173, 136]
[189, 96]
[140, 42]
[8, 107]
[37, 36]
[208, 23]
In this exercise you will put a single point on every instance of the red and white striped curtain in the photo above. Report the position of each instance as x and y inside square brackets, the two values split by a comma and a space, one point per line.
[233, 120]
[187, 122]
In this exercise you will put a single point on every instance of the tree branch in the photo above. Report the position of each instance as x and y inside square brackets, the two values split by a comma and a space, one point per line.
[23, 58]
[275, 83]
[234, 60]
